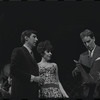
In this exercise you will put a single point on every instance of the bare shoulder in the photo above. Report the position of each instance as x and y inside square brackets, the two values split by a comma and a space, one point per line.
[39, 63]
[54, 64]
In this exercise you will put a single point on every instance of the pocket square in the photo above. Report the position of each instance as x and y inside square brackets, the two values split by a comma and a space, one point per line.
[97, 59]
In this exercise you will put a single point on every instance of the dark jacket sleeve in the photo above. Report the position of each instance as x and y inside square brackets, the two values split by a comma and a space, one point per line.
[16, 67]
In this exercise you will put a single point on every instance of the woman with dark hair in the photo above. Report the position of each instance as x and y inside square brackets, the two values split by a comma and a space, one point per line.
[51, 87]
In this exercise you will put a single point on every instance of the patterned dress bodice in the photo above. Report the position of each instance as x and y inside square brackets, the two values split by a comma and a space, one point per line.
[48, 73]
[50, 86]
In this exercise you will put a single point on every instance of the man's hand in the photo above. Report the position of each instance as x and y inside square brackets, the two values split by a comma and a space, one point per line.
[77, 63]
[36, 79]
[77, 69]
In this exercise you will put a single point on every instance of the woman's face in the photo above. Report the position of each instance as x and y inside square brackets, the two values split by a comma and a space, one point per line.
[47, 55]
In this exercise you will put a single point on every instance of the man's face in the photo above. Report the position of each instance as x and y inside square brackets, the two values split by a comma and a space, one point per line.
[89, 42]
[32, 40]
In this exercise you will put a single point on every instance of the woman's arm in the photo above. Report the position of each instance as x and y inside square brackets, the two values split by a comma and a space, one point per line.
[63, 91]
[60, 85]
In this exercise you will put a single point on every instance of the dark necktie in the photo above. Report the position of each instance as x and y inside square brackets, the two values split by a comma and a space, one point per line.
[90, 54]
[31, 53]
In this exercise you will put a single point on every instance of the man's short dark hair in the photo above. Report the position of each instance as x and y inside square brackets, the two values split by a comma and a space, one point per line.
[26, 33]
[86, 32]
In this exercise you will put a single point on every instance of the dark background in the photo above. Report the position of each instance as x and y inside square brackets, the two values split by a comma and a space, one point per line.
[59, 22]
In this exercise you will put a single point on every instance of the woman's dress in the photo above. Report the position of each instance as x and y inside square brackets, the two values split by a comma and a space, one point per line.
[49, 88]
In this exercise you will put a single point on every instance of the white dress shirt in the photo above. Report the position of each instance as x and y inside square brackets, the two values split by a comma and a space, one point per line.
[91, 52]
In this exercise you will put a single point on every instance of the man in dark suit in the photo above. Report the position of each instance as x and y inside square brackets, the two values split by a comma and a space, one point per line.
[89, 65]
[24, 69]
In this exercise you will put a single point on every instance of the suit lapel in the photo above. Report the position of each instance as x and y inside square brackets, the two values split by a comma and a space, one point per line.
[95, 55]
[28, 54]
[87, 59]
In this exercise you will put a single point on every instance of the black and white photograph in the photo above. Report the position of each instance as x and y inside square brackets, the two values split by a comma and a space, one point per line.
[50, 50]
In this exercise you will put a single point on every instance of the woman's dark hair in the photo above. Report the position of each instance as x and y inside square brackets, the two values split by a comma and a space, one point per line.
[42, 46]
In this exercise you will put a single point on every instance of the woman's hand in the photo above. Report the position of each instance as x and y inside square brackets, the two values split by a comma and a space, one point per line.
[65, 95]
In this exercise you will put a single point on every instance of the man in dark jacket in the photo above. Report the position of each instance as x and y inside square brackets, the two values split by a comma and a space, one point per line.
[89, 65]
[24, 69]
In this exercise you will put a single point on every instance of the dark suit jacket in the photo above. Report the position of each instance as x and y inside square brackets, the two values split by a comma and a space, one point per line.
[91, 62]
[22, 67]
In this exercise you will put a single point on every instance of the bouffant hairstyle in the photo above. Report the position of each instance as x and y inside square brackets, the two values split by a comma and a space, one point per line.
[42, 46]
[27, 33]
[86, 32]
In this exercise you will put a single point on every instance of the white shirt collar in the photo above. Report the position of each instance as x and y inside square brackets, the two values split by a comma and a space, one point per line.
[91, 52]
[27, 48]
